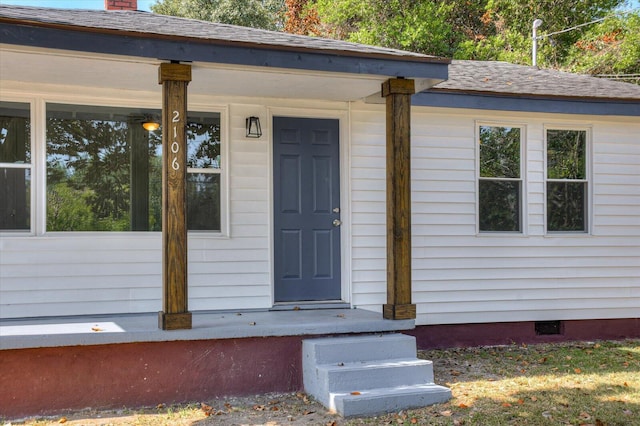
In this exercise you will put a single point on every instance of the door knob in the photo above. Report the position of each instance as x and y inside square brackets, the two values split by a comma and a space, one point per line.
[337, 222]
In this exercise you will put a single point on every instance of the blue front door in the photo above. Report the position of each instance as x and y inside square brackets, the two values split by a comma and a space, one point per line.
[306, 209]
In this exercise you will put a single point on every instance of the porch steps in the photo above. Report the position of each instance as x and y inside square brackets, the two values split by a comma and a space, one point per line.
[369, 375]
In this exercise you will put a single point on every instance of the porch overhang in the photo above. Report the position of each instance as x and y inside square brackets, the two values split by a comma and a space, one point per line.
[310, 70]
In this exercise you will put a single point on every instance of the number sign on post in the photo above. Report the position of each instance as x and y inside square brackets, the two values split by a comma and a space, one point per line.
[175, 313]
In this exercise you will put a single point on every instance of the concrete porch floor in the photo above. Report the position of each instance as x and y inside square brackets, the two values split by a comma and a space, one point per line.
[136, 328]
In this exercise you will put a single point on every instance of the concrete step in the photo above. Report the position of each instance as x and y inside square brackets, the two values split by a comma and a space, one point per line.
[387, 400]
[358, 348]
[369, 375]
[360, 376]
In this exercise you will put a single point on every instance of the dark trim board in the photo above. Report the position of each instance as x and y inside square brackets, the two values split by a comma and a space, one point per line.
[526, 104]
[506, 333]
[188, 50]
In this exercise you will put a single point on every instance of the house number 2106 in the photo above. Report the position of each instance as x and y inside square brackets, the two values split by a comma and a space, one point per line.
[175, 147]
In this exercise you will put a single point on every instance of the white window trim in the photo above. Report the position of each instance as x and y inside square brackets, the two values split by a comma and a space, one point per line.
[588, 174]
[523, 181]
[97, 97]
[32, 166]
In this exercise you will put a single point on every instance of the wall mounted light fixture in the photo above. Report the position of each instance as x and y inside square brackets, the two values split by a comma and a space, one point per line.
[253, 127]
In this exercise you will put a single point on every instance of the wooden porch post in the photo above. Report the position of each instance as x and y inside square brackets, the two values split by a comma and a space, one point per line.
[174, 78]
[398, 93]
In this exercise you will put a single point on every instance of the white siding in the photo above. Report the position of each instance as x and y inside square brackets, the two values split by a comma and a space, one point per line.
[105, 273]
[460, 276]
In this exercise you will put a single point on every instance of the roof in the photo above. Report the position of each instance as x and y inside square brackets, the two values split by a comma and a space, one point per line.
[150, 24]
[509, 79]
[458, 83]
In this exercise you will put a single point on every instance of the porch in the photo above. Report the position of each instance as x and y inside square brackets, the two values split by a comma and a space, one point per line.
[139, 328]
[56, 364]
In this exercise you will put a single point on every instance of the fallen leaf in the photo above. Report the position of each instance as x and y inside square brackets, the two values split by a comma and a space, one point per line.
[626, 385]
[306, 413]
[296, 308]
[597, 345]
[275, 408]
[534, 399]
[62, 420]
[413, 420]
[160, 406]
[577, 370]
[585, 416]
[455, 373]
[340, 315]
[521, 401]
[259, 407]
[568, 358]
[600, 422]
[204, 407]
[446, 413]
[355, 393]
[333, 423]
[96, 328]
[463, 405]
[506, 404]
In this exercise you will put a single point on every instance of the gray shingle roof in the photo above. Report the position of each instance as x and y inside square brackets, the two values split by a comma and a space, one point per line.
[150, 24]
[509, 79]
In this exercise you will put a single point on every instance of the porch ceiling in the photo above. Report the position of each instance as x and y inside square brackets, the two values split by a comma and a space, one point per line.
[56, 67]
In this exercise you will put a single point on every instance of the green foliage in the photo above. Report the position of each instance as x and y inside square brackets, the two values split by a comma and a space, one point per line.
[493, 30]
[267, 14]
[69, 209]
[611, 47]
[403, 24]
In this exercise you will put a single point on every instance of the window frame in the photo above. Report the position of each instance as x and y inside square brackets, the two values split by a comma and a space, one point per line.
[97, 97]
[31, 166]
[521, 179]
[588, 216]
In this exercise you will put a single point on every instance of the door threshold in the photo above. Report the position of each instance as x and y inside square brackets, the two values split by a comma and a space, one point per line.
[299, 306]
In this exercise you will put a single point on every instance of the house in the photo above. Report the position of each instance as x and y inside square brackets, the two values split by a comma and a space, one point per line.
[516, 219]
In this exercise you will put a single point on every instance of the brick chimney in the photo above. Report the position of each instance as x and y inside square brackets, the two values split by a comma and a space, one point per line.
[121, 4]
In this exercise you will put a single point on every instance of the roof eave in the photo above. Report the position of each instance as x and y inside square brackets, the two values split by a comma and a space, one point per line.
[189, 49]
[448, 98]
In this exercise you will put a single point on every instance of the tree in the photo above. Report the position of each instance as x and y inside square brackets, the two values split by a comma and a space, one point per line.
[419, 26]
[611, 48]
[492, 30]
[301, 17]
[265, 14]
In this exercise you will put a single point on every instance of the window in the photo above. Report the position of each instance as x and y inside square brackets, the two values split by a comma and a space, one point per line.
[499, 180]
[104, 170]
[15, 167]
[567, 183]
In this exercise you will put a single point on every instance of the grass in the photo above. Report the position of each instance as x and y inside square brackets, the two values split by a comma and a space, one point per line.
[594, 383]
[560, 384]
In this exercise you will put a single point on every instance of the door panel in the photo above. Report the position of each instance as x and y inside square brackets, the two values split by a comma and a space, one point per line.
[306, 203]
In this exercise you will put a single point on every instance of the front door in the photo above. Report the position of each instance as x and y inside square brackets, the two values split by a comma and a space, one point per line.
[306, 182]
